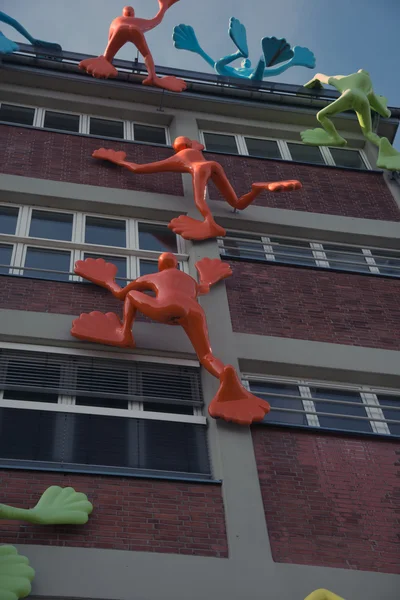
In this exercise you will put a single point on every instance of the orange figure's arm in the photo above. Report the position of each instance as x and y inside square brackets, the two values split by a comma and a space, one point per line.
[148, 24]
[102, 273]
[210, 272]
[171, 164]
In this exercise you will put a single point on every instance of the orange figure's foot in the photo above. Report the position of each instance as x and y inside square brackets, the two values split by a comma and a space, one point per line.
[99, 67]
[96, 270]
[110, 155]
[234, 403]
[279, 186]
[192, 229]
[102, 328]
[172, 84]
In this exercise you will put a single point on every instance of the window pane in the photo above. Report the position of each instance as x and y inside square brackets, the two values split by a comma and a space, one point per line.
[386, 403]
[263, 148]
[347, 158]
[105, 232]
[107, 128]
[5, 258]
[101, 440]
[101, 402]
[148, 266]
[353, 260]
[30, 396]
[292, 252]
[303, 153]
[387, 261]
[50, 225]
[119, 262]
[156, 237]
[63, 121]
[216, 142]
[8, 219]
[17, 114]
[54, 260]
[27, 434]
[278, 400]
[243, 248]
[147, 133]
[340, 409]
[168, 408]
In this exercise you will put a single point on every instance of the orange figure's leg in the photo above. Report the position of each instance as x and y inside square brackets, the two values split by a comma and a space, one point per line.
[101, 67]
[192, 229]
[195, 326]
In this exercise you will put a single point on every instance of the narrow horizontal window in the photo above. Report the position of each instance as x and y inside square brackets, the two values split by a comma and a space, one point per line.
[5, 258]
[347, 158]
[8, 219]
[217, 142]
[17, 114]
[387, 261]
[43, 263]
[323, 397]
[150, 134]
[61, 121]
[303, 153]
[51, 225]
[297, 252]
[105, 232]
[390, 406]
[106, 128]
[346, 258]
[282, 396]
[262, 148]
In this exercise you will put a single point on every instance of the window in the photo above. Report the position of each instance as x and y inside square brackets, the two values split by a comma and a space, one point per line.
[356, 409]
[61, 121]
[106, 128]
[263, 148]
[347, 158]
[147, 133]
[100, 415]
[303, 153]
[265, 248]
[133, 246]
[17, 114]
[218, 142]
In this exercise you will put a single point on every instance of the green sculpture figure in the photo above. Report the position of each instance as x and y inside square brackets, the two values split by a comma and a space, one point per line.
[15, 574]
[356, 94]
[57, 506]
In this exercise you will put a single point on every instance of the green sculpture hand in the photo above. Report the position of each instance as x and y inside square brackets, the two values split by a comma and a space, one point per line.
[57, 506]
[15, 574]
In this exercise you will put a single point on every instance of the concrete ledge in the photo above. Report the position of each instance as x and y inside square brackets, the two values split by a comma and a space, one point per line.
[267, 355]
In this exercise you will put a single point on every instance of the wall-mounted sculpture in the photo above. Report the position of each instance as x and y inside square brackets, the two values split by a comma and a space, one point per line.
[129, 28]
[323, 595]
[8, 46]
[357, 94]
[275, 52]
[15, 574]
[57, 506]
[175, 303]
[188, 158]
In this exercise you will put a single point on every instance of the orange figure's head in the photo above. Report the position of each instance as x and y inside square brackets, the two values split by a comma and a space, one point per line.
[183, 143]
[128, 11]
[167, 261]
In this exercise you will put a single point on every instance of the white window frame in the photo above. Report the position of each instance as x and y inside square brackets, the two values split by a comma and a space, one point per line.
[19, 105]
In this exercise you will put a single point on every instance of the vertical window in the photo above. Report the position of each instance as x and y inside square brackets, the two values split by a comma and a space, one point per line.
[348, 158]
[262, 148]
[147, 267]
[8, 219]
[47, 264]
[390, 406]
[218, 142]
[105, 232]
[17, 114]
[303, 153]
[5, 258]
[147, 133]
[61, 121]
[157, 238]
[106, 128]
[51, 225]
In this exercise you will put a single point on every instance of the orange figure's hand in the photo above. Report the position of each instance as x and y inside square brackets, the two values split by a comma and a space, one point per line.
[99, 67]
[102, 328]
[281, 186]
[167, 3]
[234, 403]
[192, 229]
[211, 270]
[111, 155]
[97, 270]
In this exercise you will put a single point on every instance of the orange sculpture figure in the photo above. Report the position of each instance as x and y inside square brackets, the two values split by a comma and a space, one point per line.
[128, 28]
[189, 158]
[175, 303]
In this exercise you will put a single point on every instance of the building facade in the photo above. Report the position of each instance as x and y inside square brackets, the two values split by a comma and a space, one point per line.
[186, 506]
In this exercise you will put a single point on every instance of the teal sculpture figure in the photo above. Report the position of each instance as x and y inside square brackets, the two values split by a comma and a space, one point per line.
[8, 46]
[357, 94]
[277, 57]
[15, 574]
[57, 506]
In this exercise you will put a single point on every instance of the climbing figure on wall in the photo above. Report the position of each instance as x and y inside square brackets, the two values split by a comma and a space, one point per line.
[188, 158]
[175, 303]
[357, 94]
[129, 28]
[8, 46]
[275, 52]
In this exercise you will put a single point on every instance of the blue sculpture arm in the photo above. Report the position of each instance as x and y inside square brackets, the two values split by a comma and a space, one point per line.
[185, 38]
[7, 46]
[17, 26]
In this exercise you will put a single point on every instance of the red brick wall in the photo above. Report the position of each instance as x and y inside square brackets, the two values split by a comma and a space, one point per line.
[330, 501]
[62, 157]
[129, 514]
[325, 190]
[322, 306]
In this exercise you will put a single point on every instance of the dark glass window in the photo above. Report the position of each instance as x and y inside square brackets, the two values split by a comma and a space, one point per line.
[179, 409]
[54, 260]
[278, 400]
[51, 225]
[303, 153]
[148, 133]
[340, 422]
[8, 219]
[262, 148]
[101, 402]
[353, 259]
[106, 128]
[17, 114]
[348, 158]
[243, 248]
[118, 261]
[5, 258]
[62, 121]
[217, 142]
[148, 266]
[105, 232]
[388, 262]
[388, 403]
[156, 237]
[26, 396]
[27, 434]
[292, 252]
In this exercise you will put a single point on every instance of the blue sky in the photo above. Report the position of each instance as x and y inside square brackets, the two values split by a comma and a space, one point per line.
[345, 35]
